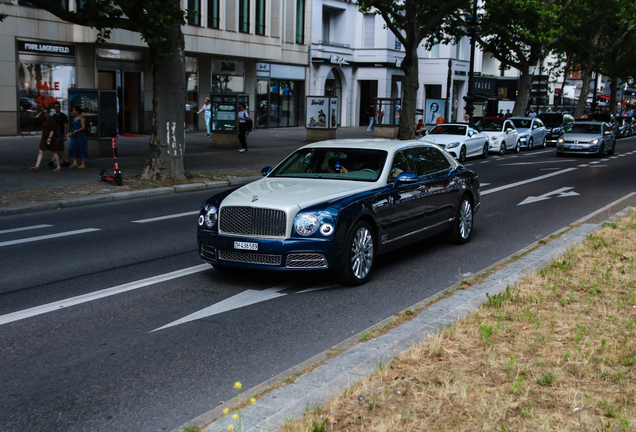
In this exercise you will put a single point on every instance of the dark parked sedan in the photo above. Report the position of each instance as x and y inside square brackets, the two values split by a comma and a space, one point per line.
[555, 123]
[336, 205]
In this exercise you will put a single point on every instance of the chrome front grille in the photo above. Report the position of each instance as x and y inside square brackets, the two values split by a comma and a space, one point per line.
[207, 252]
[306, 260]
[253, 221]
[250, 258]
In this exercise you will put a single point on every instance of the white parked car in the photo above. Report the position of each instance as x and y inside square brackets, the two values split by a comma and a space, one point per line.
[532, 132]
[458, 139]
[502, 134]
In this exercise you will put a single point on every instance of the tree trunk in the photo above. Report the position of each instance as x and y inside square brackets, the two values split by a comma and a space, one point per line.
[585, 90]
[411, 69]
[525, 85]
[167, 139]
[613, 90]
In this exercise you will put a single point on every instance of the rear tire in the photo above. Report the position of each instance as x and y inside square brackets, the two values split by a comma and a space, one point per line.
[359, 255]
[463, 224]
[484, 152]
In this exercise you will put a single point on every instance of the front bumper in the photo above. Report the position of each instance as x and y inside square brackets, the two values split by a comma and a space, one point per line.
[577, 148]
[305, 254]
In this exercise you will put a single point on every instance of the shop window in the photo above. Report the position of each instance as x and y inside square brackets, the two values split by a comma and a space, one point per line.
[213, 14]
[333, 88]
[244, 16]
[433, 91]
[300, 21]
[260, 17]
[40, 85]
[227, 84]
[192, 89]
[194, 12]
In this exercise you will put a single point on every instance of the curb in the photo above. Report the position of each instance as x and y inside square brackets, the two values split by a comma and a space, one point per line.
[360, 359]
[123, 196]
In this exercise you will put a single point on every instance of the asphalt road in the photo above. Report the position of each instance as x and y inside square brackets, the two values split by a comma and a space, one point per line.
[90, 298]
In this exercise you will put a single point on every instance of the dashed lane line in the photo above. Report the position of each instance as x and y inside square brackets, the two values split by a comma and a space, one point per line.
[46, 237]
[531, 180]
[172, 216]
[24, 228]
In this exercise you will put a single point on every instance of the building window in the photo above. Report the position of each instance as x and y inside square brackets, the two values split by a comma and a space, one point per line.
[194, 12]
[260, 17]
[244, 16]
[369, 31]
[300, 21]
[213, 14]
[434, 53]
[458, 50]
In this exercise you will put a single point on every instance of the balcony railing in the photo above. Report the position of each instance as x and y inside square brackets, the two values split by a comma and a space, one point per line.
[333, 44]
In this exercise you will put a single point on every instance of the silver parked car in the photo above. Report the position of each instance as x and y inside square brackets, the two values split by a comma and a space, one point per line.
[587, 137]
[532, 132]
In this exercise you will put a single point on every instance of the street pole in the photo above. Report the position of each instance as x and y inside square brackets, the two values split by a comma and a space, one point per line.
[470, 97]
[594, 104]
[448, 88]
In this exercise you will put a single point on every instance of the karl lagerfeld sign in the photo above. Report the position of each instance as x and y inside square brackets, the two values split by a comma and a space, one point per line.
[46, 48]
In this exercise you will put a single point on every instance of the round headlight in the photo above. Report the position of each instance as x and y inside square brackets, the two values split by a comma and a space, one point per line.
[306, 224]
[211, 216]
[493, 138]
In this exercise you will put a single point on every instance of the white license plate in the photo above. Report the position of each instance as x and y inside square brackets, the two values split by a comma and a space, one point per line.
[246, 245]
[576, 147]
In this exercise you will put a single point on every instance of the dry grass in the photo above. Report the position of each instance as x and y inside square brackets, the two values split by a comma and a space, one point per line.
[556, 352]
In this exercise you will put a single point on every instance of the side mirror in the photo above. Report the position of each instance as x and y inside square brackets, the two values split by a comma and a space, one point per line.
[608, 132]
[405, 177]
[265, 171]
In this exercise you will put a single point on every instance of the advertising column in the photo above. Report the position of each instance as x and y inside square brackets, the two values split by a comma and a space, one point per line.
[321, 121]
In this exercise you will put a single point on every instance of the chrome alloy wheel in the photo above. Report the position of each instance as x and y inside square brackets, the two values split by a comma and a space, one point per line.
[465, 219]
[362, 253]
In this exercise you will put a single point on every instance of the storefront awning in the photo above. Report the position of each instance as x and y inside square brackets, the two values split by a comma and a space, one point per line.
[607, 98]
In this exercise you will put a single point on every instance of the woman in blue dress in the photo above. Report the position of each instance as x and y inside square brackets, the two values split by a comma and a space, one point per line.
[78, 147]
[207, 113]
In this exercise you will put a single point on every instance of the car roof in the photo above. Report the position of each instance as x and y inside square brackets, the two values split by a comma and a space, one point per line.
[367, 144]
[588, 122]
[520, 118]
[495, 118]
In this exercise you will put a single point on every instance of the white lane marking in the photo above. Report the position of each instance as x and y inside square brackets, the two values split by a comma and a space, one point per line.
[85, 298]
[167, 217]
[485, 184]
[613, 157]
[538, 162]
[583, 166]
[319, 287]
[594, 162]
[549, 169]
[24, 228]
[621, 155]
[563, 192]
[604, 160]
[50, 236]
[542, 151]
[511, 185]
[467, 165]
[246, 298]
[485, 162]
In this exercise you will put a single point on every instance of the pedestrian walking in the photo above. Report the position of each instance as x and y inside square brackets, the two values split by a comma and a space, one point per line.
[241, 122]
[78, 147]
[207, 113]
[48, 141]
[371, 115]
[61, 133]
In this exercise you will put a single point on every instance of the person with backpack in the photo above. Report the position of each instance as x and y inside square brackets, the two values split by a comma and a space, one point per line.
[241, 121]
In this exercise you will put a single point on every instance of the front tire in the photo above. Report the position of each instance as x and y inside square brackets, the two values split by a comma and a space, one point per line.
[463, 225]
[484, 152]
[545, 143]
[518, 147]
[502, 148]
[359, 255]
[462, 155]
[530, 143]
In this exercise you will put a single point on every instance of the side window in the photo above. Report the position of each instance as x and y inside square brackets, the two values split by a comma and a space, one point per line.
[402, 162]
[429, 160]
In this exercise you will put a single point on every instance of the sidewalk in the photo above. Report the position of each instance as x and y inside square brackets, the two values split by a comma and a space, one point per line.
[266, 147]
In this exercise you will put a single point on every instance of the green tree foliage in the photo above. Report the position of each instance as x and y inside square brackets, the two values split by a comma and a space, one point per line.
[159, 24]
[412, 21]
[520, 33]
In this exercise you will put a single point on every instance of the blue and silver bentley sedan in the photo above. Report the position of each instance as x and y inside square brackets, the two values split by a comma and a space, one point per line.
[336, 205]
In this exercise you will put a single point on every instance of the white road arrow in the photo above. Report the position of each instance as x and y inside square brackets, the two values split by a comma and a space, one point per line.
[243, 299]
[563, 192]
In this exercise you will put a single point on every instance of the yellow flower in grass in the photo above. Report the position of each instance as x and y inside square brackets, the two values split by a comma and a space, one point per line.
[252, 401]
[238, 385]
[235, 416]
[226, 411]
[230, 428]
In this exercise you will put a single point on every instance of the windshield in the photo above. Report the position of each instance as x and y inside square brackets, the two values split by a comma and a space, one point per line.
[494, 125]
[604, 117]
[522, 123]
[584, 128]
[448, 130]
[552, 120]
[333, 163]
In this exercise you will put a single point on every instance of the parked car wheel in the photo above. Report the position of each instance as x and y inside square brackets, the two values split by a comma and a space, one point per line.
[463, 225]
[359, 255]
[462, 155]
[545, 142]
[502, 148]
[484, 152]
[530, 143]
[518, 147]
